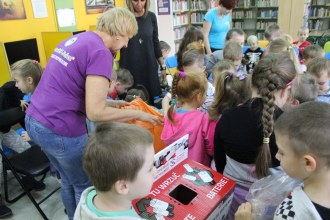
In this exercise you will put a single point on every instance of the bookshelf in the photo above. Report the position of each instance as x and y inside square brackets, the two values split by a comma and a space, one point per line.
[186, 13]
[253, 16]
[319, 16]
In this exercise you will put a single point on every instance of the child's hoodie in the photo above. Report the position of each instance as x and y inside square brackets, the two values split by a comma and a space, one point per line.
[201, 134]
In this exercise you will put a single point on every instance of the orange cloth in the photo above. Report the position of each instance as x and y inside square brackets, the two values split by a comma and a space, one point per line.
[139, 104]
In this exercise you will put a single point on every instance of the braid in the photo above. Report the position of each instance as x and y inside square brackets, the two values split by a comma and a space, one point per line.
[271, 74]
[174, 87]
[263, 159]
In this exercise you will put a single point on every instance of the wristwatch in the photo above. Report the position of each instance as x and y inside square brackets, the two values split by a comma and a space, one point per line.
[162, 67]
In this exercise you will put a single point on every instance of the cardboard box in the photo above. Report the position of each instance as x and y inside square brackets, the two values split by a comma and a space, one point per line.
[185, 189]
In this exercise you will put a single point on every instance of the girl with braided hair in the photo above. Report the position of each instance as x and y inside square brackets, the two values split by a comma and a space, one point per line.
[189, 89]
[244, 142]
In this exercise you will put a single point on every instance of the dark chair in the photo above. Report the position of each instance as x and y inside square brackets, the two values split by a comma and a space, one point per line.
[31, 163]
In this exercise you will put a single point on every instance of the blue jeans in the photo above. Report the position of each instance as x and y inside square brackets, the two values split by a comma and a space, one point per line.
[65, 153]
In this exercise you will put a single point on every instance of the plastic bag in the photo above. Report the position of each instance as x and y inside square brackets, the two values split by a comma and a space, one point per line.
[267, 193]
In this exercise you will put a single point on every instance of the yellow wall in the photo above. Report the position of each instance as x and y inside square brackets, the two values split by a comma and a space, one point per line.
[14, 30]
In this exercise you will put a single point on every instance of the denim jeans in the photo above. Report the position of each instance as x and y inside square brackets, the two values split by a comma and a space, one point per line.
[65, 153]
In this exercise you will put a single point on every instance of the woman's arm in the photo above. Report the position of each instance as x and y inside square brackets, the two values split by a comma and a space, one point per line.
[206, 30]
[97, 109]
[158, 52]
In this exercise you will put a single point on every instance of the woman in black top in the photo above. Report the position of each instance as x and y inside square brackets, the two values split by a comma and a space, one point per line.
[143, 53]
[244, 143]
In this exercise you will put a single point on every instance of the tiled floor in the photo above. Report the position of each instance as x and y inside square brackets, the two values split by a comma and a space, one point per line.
[23, 209]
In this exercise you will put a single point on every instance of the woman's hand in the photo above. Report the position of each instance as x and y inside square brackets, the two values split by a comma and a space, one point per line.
[24, 105]
[244, 212]
[142, 116]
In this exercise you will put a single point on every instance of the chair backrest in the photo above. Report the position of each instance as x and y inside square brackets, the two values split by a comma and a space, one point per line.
[171, 61]
[327, 55]
[171, 64]
[263, 43]
[327, 47]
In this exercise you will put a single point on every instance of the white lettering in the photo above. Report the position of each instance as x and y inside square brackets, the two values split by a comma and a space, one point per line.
[217, 188]
[189, 217]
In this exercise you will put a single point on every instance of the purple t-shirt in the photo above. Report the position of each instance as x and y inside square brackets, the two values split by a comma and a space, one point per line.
[59, 99]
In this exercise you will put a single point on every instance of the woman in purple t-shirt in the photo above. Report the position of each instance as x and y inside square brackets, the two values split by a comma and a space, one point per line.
[75, 85]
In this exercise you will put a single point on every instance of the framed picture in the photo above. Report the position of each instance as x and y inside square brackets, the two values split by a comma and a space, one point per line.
[98, 6]
[12, 10]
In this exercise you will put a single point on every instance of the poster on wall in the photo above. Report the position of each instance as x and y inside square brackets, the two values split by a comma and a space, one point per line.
[12, 10]
[163, 7]
[98, 6]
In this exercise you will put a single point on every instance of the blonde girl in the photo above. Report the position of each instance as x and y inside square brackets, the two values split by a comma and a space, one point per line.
[26, 73]
[282, 45]
[189, 88]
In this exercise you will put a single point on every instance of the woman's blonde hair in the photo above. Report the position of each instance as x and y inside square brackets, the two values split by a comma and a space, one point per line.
[117, 21]
[130, 7]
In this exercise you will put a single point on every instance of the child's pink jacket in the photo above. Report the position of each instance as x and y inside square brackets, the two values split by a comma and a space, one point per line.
[201, 134]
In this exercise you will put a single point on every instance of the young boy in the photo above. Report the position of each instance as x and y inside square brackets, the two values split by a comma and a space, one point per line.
[303, 136]
[233, 52]
[252, 54]
[272, 32]
[320, 68]
[119, 159]
[165, 48]
[302, 43]
[311, 52]
[122, 84]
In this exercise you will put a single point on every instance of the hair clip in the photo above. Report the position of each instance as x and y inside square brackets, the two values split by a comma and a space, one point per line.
[35, 61]
[289, 48]
[230, 74]
[173, 101]
[182, 74]
[265, 140]
[242, 76]
[292, 81]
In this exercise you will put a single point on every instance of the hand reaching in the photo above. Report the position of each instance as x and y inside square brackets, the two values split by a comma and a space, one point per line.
[244, 212]
[24, 105]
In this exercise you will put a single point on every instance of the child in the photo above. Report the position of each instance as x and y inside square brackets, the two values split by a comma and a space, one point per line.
[190, 90]
[233, 35]
[281, 45]
[272, 32]
[119, 159]
[231, 90]
[165, 48]
[193, 61]
[311, 52]
[302, 43]
[304, 89]
[303, 157]
[244, 144]
[233, 52]
[320, 68]
[122, 84]
[221, 66]
[26, 75]
[253, 53]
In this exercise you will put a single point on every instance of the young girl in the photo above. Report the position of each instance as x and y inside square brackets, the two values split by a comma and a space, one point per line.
[244, 142]
[232, 89]
[193, 61]
[281, 45]
[26, 73]
[190, 89]
[221, 66]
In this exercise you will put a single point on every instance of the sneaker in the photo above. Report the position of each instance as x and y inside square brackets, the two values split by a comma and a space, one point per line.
[5, 211]
[32, 184]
